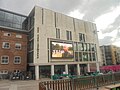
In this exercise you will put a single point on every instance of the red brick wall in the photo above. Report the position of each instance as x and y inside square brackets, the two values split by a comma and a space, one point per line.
[11, 52]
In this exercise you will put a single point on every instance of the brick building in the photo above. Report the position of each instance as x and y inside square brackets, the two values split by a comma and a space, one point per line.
[13, 42]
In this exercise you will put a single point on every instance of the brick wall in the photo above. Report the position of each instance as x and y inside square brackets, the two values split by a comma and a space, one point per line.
[12, 51]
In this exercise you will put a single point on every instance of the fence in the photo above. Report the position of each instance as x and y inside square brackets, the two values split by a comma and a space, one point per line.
[81, 83]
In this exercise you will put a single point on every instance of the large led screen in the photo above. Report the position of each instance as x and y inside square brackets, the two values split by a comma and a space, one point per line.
[61, 50]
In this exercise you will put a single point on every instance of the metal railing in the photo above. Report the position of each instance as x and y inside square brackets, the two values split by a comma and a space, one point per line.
[81, 83]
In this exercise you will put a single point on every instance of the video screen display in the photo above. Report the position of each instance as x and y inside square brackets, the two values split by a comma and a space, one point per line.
[61, 50]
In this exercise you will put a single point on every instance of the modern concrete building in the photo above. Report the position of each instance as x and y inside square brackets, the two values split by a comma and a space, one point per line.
[61, 44]
[13, 42]
[110, 54]
[56, 43]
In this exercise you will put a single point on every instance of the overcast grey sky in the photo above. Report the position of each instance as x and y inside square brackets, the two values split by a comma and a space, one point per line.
[105, 13]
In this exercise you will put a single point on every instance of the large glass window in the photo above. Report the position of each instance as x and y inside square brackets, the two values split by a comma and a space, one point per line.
[80, 56]
[75, 46]
[94, 56]
[2, 15]
[45, 71]
[92, 47]
[85, 56]
[4, 59]
[80, 46]
[88, 46]
[76, 56]
[8, 17]
[30, 57]
[85, 46]
[31, 34]
[17, 19]
[11, 19]
[31, 45]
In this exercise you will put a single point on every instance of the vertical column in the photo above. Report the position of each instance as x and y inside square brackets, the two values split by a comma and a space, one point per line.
[52, 70]
[88, 67]
[97, 65]
[66, 69]
[37, 72]
[78, 69]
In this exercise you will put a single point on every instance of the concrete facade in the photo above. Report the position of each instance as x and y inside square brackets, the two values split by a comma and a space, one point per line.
[44, 30]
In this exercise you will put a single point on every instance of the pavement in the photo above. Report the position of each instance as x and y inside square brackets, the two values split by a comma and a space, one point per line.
[29, 85]
[19, 85]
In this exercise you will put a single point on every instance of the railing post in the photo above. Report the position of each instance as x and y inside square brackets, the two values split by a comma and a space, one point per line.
[72, 84]
[96, 82]
[113, 78]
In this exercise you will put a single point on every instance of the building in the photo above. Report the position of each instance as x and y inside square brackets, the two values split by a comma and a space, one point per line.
[49, 42]
[13, 42]
[110, 54]
[61, 44]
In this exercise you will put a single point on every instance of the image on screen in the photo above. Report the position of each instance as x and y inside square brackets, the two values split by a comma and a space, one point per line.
[61, 50]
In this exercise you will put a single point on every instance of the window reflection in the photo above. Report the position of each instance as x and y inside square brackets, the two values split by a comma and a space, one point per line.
[11, 20]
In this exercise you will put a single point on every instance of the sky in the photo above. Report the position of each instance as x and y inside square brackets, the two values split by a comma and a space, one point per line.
[105, 13]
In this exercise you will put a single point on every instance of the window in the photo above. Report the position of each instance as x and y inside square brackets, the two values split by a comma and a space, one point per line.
[7, 34]
[18, 36]
[81, 37]
[18, 46]
[57, 33]
[4, 72]
[4, 59]
[6, 45]
[17, 60]
[69, 35]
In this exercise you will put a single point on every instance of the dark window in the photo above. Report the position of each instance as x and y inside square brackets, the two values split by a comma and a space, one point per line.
[69, 35]
[81, 37]
[4, 60]
[6, 45]
[57, 33]
[17, 60]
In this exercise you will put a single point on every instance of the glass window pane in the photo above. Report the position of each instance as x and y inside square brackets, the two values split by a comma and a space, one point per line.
[8, 17]
[2, 16]
[75, 47]
[16, 25]
[85, 56]
[17, 19]
[1, 23]
[80, 46]
[8, 24]
[80, 56]
[76, 56]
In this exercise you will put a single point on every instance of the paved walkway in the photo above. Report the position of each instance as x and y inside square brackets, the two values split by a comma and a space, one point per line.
[19, 85]
[27, 85]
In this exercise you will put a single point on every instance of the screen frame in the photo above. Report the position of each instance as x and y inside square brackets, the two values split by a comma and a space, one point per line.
[64, 42]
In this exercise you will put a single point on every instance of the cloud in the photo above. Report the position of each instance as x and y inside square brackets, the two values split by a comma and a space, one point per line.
[114, 26]
[63, 6]
[106, 40]
[95, 8]
[18, 6]
[90, 10]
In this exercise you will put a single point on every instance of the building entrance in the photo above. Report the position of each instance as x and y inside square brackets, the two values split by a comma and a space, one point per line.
[45, 71]
[59, 69]
[72, 69]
